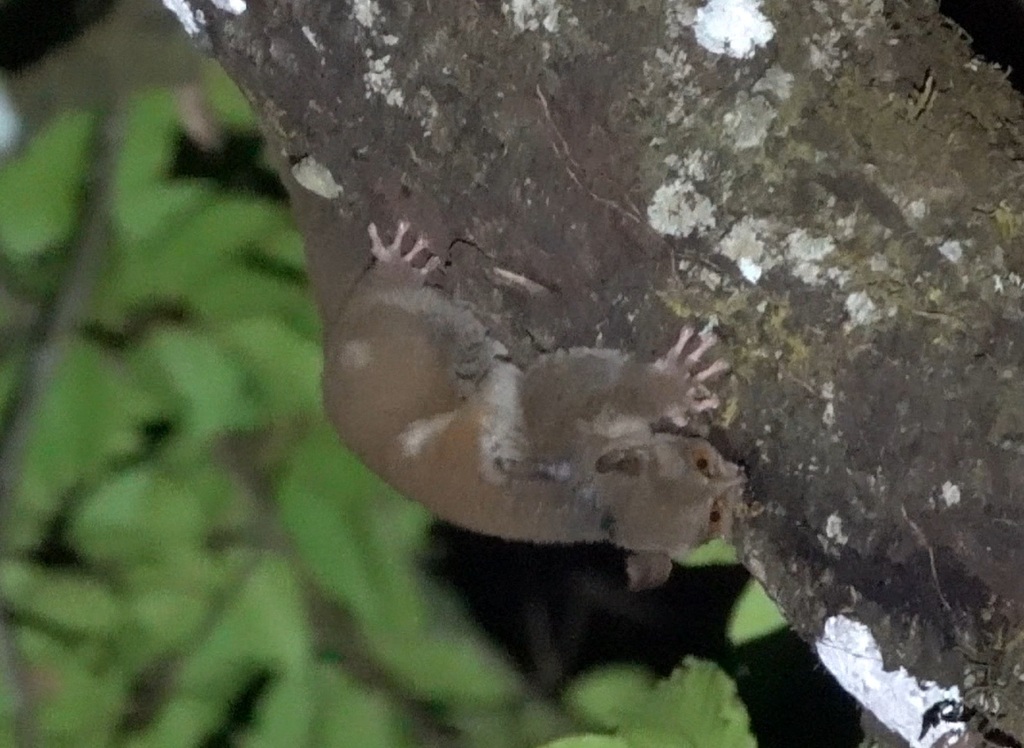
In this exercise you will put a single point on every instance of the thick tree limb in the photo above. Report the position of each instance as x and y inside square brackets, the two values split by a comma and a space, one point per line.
[845, 203]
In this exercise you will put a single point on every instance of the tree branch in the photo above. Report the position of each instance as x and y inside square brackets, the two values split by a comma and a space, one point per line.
[844, 202]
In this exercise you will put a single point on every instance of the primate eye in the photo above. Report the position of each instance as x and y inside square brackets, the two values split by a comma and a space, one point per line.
[702, 462]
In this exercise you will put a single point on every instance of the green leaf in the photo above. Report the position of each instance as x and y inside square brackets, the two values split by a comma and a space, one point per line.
[40, 191]
[112, 524]
[286, 247]
[185, 248]
[83, 705]
[754, 615]
[8, 696]
[696, 706]
[447, 665]
[212, 390]
[236, 292]
[353, 715]
[263, 629]
[73, 602]
[226, 99]
[160, 621]
[139, 516]
[588, 741]
[149, 143]
[515, 723]
[168, 602]
[286, 713]
[284, 365]
[355, 535]
[151, 212]
[606, 696]
[85, 418]
[713, 553]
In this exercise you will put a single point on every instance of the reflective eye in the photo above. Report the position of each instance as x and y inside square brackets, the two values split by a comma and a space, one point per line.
[702, 462]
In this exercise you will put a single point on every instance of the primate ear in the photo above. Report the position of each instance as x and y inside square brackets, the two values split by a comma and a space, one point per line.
[628, 460]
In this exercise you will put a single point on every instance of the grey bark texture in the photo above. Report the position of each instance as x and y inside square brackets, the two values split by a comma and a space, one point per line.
[845, 203]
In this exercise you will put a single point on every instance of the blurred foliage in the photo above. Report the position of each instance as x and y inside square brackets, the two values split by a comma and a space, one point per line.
[754, 615]
[696, 706]
[193, 560]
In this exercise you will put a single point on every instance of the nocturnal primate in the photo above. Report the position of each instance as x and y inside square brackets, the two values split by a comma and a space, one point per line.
[584, 445]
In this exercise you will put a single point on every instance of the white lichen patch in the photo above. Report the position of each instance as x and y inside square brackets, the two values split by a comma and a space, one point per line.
[679, 17]
[846, 226]
[366, 12]
[862, 16]
[834, 529]
[899, 700]
[748, 122]
[775, 82]
[711, 279]
[732, 27]
[828, 394]
[677, 209]
[1011, 283]
[380, 80]
[311, 38]
[696, 165]
[316, 178]
[824, 53]
[533, 15]
[230, 6]
[805, 253]
[915, 211]
[425, 106]
[190, 20]
[950, 494]
[952, 250]
[756, 246]
[745, 245]
[860, 310]
[878, 263]
[676, 70]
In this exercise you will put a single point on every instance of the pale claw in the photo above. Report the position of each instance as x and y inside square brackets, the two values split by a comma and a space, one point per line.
[677, 350]
[392, 252]
[704, 343]
[720, 366]
[695, 398]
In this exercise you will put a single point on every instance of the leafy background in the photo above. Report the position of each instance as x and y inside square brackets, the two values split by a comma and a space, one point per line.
[189, 556]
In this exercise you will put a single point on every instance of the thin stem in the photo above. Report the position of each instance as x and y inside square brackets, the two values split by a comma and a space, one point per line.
[47, 346]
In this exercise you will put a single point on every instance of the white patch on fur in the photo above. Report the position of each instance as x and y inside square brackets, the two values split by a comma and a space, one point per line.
[355, 354]
[501, 431]
[612, 425]
[418, 433]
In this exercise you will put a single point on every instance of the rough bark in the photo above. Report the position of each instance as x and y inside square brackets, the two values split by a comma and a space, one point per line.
[845, 204]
